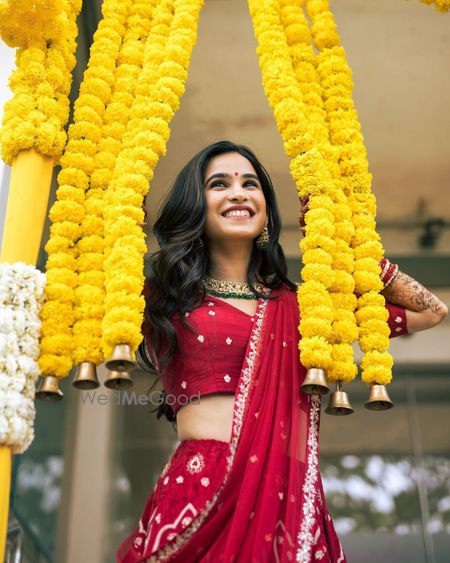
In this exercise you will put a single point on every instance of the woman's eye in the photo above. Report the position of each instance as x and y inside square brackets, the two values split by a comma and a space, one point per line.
[224, 184]
[218, 183]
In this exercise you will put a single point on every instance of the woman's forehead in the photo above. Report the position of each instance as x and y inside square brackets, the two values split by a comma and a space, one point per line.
[230, 163]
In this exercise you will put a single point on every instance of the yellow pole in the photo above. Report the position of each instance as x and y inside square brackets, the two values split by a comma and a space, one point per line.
[5, 476]
[29, 188]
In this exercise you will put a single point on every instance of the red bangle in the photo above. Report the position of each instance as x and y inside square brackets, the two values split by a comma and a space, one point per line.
[388, 272]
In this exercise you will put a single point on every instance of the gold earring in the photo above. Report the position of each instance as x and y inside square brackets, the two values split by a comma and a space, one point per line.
[262, 241]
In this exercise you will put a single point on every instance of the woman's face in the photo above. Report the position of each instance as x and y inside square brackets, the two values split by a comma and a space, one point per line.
[236, 206]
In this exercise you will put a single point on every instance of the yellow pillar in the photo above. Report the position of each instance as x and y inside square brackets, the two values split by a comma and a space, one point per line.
[5, 473]
[29, 188]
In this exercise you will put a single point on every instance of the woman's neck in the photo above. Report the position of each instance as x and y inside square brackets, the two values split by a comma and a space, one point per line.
[229, 264]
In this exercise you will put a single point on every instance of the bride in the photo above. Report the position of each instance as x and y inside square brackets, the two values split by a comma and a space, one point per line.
[221, 323]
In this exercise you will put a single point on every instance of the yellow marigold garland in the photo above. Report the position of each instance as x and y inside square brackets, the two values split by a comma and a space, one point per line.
[345, 133]
[68, 212]
[311, 174]
[344, 328]
[123, 214]
[129, 22]
[160, 86]
[36, 114]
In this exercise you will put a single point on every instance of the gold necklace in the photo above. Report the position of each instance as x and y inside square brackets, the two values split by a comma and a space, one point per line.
[231, 289]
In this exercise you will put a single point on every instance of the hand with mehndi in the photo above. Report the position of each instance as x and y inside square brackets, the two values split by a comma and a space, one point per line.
[424, 310]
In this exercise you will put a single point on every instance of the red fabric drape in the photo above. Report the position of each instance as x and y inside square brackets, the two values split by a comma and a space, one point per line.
[269, 505]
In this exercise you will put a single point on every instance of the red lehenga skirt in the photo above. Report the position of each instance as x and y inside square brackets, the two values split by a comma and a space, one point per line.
[258, 498]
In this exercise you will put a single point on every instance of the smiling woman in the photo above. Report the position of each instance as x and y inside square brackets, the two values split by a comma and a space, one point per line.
[221, 325]
[221, 321]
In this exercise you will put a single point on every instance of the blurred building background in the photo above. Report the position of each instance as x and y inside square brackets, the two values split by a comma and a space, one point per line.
[81, 486]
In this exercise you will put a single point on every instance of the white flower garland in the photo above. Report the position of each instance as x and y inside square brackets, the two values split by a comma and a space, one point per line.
[21, 297]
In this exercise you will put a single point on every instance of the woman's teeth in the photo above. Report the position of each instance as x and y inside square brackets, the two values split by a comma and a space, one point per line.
[237, 213]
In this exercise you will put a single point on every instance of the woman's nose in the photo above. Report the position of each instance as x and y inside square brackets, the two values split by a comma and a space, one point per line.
[238, 192]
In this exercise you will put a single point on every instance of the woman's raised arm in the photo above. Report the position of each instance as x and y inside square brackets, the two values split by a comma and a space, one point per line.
[423, 309]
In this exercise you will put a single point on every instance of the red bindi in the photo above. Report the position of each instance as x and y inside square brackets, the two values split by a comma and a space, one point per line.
[236, 173]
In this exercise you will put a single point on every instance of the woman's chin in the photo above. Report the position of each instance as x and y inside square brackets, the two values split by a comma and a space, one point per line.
[235, 237]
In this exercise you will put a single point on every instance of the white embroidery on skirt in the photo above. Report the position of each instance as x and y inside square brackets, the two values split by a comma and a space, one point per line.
[189, 508]
[305, 537]
[317, 536]
[282, 537]
[195, 464]
[146, 532]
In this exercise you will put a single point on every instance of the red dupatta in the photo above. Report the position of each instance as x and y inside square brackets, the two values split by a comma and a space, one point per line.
[270, 505]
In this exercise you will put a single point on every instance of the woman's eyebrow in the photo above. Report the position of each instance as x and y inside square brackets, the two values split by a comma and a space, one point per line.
[218, 175]
[226, 175]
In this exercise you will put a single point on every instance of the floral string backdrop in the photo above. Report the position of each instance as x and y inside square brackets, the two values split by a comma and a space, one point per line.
[68, 212]
[304, 61]
[123, 73]
[158, 92]
[137, 68]
[345, 134]
[33, 122]
[21, 296]
[312, 177]
[328, 156]
[45, 34]
[32, 138]
[124, 199]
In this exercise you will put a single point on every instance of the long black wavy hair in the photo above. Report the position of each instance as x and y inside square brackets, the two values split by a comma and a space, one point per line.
[176, 270]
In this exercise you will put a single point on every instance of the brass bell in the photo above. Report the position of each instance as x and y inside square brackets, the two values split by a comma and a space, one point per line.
[49, 389]
[121, 358]
[118, 380]
[315, 382]
[86, 376]
[378, 399]
[339, 405]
